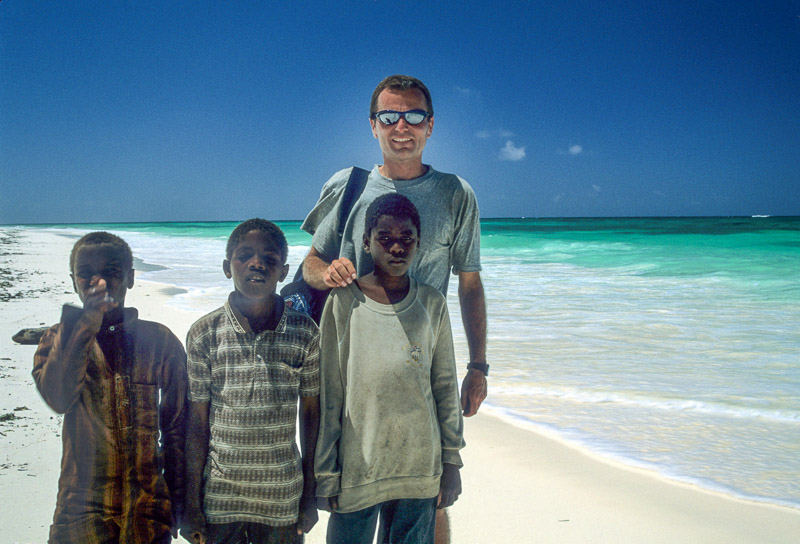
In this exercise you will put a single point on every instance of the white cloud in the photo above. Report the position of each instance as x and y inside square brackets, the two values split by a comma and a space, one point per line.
[596, 188]
[575, 150]
[500, 133]
[467, 92]
[511, 152]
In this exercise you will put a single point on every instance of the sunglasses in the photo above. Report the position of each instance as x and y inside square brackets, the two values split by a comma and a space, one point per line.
[390, 117]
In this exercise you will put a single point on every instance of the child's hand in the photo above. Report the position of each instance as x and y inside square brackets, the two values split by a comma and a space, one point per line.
[450, 487]
[308, 515]
[97, 301]
[333, 503]
[194, 527]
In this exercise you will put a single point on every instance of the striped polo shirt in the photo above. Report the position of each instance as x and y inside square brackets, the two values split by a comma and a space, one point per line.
[253, 472]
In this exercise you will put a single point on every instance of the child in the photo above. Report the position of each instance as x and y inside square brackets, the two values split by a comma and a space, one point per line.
[248, 363]
[391, 425]
[120, 383]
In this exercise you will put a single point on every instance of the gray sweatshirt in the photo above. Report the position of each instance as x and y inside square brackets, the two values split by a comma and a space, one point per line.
[391, 413]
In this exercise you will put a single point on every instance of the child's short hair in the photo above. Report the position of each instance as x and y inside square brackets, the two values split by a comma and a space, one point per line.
[394, 205]
[267, 227]
[103, 238]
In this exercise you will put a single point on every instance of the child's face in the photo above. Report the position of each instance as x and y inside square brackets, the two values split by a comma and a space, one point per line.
[98, 268]
[256, 266]
[393, 244]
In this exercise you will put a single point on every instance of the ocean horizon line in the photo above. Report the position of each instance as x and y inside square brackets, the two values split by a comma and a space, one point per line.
[505, 218]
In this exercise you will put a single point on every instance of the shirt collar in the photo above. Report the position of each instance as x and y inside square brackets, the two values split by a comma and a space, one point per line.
[129, 318]
[240, 323]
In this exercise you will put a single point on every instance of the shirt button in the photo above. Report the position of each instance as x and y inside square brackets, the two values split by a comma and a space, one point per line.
[112, 328]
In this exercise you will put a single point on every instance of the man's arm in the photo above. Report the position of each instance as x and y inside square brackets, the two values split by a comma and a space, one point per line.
[309, 429]
[321, 274]
[473, 315]
[197, 437]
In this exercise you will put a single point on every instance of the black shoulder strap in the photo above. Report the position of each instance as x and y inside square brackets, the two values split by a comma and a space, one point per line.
[355, 186]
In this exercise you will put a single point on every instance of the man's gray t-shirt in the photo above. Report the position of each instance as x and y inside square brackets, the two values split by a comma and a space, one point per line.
[449, 216]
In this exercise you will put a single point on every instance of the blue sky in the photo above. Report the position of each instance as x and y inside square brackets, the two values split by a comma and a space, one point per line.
[189, 111]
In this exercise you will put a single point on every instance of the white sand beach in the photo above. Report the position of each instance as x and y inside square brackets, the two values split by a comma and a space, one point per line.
[520, 486]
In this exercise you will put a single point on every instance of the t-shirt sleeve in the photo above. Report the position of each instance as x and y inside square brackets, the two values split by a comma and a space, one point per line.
[198, 359]
[322, 222]
[465, 252]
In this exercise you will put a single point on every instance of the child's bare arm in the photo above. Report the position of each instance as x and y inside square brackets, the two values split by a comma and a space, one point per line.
[309, 429]
[197, 437]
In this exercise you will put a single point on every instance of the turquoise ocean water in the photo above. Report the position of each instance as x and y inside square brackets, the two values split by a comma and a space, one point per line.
[666, 343]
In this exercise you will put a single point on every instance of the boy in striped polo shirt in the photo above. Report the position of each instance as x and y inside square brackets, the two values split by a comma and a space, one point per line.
[249, 361]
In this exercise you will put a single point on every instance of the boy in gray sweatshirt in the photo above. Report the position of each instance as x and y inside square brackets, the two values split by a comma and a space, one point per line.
[391, 426]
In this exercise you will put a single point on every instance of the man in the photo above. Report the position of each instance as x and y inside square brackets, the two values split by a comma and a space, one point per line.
[401, 117]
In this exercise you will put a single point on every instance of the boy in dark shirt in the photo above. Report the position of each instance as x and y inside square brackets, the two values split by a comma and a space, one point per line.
[121, 384]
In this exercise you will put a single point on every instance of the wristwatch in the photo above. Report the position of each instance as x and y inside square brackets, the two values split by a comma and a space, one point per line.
[483, 367]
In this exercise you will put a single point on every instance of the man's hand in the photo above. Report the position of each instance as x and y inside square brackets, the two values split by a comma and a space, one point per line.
[194, 527]
[450, 486]
[473, 392]
[340, 273]
[308, 516]
[320, 274]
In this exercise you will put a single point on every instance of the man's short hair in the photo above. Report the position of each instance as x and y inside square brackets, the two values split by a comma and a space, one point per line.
[99, 238]
[267, 227]
[394, 205]
[400, 83]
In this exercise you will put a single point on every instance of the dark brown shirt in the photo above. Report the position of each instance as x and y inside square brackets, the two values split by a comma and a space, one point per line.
[124, 404]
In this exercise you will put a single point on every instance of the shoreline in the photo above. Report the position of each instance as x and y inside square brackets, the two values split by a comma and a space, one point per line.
[654, 471]
[520, 484]
[567, 494]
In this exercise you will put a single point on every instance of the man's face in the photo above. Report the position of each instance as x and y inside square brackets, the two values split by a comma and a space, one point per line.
[402, 142]
[256, 266]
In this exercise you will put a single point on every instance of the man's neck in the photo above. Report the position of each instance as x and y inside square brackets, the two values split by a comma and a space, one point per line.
[402, 171]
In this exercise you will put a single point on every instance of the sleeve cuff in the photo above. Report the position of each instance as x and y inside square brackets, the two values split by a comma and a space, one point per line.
[452, 457]
[328, 485]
